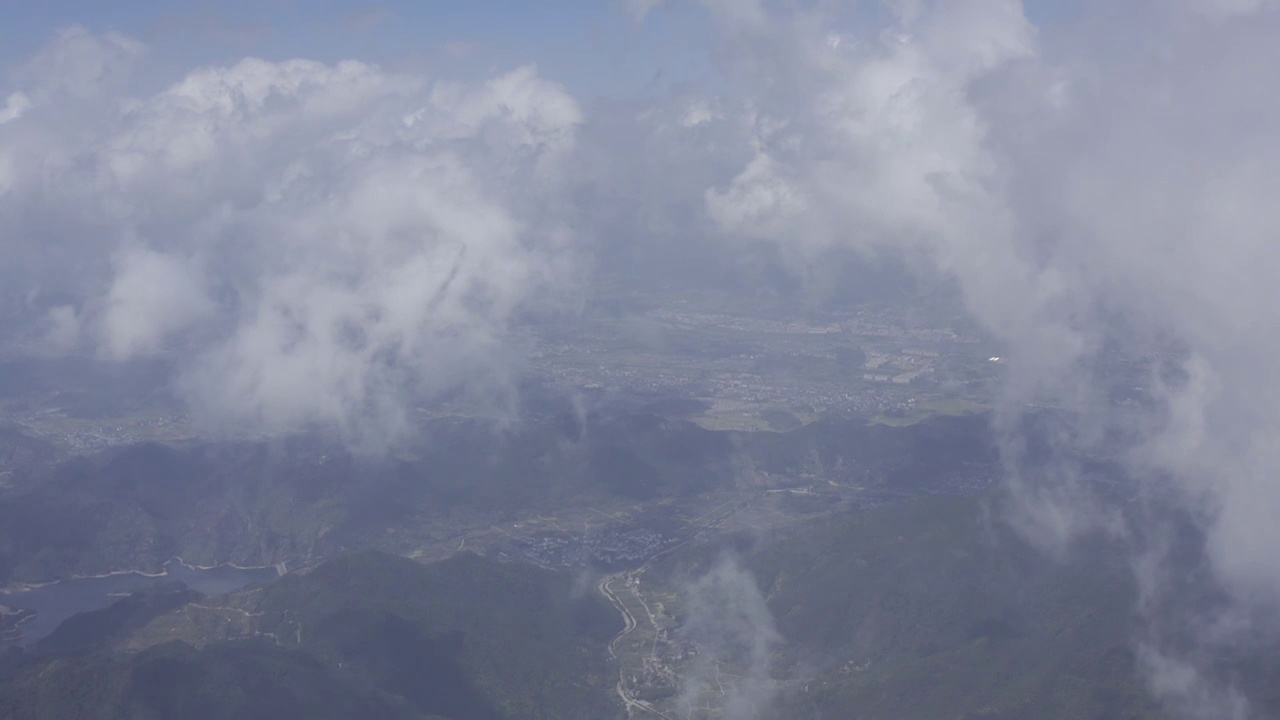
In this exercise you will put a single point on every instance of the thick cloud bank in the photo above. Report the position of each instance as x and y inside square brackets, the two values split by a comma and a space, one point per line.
[317, 243]
[1097, 186]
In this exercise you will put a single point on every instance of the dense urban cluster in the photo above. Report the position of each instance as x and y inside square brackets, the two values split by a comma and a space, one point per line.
[967, 481]
[80, 435]
[603, 548]
[871, 362]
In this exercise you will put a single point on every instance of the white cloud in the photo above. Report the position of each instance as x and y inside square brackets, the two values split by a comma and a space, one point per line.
[318, 243]
[1110, 184]
[152, 295]
[699, 113]
[877, 142]
[62, 331]
[79, 65]
[14, 106]
[728, 617]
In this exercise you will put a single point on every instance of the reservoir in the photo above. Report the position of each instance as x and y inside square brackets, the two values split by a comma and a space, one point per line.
[58, 601]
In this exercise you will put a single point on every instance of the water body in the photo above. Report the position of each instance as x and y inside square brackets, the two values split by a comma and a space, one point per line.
[58, 601]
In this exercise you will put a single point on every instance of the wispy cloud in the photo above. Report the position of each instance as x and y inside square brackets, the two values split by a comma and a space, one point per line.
[730, 621]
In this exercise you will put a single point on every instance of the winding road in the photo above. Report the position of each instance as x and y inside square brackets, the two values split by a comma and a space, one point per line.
[629, 624]
[629, 619]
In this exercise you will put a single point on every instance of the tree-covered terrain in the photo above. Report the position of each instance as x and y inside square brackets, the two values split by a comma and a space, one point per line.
[301, 499]
[936, 608]
[363, 635]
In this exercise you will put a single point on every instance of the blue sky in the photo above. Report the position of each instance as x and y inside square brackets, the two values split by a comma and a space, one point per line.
[593, 46]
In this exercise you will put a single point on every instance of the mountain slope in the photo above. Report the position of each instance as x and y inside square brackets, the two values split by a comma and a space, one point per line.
[364, 635]
[930, 608]
[518, 634]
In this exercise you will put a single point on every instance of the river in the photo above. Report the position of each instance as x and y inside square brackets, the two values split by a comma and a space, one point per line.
[58, 601]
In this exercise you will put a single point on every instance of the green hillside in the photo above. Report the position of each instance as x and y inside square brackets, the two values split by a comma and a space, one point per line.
[929, 609]
[364, 635]
[514, 638]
